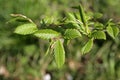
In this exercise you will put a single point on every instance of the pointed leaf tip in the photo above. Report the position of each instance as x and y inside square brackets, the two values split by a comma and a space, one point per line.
[87, 47]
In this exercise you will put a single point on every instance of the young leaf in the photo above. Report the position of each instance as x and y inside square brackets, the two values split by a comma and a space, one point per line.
[25, 29]
[83, 19]
[112, 31]
[76, 22]
[72, 19]
[71, 16]
[98, 35]
[46, 34]
[88, 46]
[49, 50]
[82, 15]
[59, 53]
[77, 16]
[98, 25]
[71, 33]
[116, 31]
[18, 19]
[20, 16]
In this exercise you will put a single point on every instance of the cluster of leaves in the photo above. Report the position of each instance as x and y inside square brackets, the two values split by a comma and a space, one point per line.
[75, 25]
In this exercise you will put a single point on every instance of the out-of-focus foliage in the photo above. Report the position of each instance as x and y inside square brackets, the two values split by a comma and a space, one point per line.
[22, 58]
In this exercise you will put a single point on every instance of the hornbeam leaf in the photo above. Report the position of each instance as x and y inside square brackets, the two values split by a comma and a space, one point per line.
[46, 34]
[82, 15]
[98, 35]
[116, 31]
[71, 33]
[112, 31]
[88, 46]
[18, 19]
[71, 17]
[59, 53]
[26, 29]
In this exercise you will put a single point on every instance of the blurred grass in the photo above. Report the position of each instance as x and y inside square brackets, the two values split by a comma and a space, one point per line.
[22, 57]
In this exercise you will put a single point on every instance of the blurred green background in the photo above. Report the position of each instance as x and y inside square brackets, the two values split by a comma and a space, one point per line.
[22, 57]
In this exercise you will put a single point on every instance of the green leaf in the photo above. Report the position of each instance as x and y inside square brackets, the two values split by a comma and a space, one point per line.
[84, 19]
[59, 53]
[88, 46]
[50, 48]
[71, 16]
[48, 20]
[98, 25]
[70, 25]
[46, 34]
[18, 19]
[82, 15]
[26, 29]
[72, 19]
[116, 31]
[75, 21]
[21, 18]
[112, 31]
[77, 16]
[97, 15]
[98, 35]
[71, 34]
